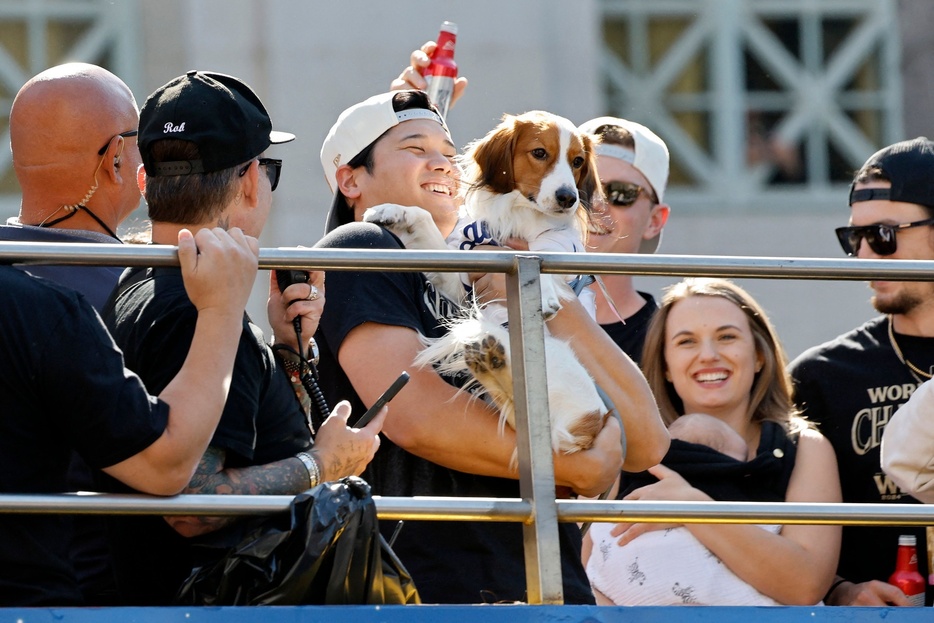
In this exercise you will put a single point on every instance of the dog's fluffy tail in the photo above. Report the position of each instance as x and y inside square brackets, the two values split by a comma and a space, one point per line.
[576, 408]
[448, 354]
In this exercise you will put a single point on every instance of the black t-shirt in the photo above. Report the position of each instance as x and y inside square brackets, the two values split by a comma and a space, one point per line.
[630, 336]
[451, 562]
[63, 387]
[850, 387]
[153, 320]
[89, 551]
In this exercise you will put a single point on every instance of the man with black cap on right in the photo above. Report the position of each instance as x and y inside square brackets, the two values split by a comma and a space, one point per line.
[202, 139]
[852, 385]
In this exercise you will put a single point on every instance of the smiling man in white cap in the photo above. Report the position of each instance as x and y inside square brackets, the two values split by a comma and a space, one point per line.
[395, 148]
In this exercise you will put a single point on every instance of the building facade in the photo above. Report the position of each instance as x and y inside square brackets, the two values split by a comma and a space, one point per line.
[767, 105]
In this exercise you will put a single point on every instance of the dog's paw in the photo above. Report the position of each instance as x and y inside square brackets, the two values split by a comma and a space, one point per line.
[413, 225]
[390, 216]
[488, 360]
[488, 356]
[581, 433]
[551, 302]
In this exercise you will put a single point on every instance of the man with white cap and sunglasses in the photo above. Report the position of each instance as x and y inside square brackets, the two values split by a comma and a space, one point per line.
[632, 164]
[852, 385]
[395, 148]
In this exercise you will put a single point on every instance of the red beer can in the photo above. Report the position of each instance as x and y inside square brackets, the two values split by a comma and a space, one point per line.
[442, 71]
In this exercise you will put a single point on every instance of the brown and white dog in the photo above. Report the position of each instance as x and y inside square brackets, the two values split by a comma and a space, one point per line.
[532, 177]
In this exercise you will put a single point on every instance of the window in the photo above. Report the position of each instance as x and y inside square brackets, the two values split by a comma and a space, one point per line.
[757, 99]
[35, 35]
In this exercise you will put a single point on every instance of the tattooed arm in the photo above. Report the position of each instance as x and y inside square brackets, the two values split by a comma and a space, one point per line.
[339, 450]
[285, 477]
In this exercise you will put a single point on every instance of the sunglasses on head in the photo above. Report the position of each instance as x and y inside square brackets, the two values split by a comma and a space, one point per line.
[127, 134]
[623, 194]
[273, 170]
[880, 237]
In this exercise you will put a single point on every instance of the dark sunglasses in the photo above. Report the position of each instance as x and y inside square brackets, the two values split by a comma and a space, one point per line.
[273, 170]
[127, 134]
[880, 237]
[623, 194]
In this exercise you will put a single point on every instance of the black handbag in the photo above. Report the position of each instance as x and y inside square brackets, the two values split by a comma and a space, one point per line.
[328, 550]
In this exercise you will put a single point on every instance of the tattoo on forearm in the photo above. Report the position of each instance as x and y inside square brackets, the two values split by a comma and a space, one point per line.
[285, 477]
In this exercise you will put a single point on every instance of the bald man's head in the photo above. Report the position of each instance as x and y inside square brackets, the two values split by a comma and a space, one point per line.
[58, 122]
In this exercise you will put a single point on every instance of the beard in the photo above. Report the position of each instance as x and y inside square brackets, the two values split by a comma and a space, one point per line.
[900, 304]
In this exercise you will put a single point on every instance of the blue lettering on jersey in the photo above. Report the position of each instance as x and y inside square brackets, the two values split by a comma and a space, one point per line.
[474, 234]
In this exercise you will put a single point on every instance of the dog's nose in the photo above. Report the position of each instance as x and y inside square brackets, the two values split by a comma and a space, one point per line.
[566, 197]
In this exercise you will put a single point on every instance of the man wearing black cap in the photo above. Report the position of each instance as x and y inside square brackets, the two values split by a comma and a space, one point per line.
[395, 148]
[852, 385]
[202, 139]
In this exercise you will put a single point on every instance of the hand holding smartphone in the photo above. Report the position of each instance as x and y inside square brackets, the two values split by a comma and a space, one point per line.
[388, 395]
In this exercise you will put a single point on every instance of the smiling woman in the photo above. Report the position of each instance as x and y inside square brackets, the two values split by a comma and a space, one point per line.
[711, 350]
[711, 357]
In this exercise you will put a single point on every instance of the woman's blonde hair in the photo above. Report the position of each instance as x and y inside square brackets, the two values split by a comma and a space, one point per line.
[771, 394]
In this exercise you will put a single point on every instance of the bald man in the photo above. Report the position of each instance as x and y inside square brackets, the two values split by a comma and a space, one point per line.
[72, 133]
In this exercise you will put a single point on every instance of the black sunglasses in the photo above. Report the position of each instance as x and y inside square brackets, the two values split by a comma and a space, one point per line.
[623, 194]
[273, 170]
[127, 134]
[880, 237]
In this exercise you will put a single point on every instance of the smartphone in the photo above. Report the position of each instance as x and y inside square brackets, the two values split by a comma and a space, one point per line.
[388, 395]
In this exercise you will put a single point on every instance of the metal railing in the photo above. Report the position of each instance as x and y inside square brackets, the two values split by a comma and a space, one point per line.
[537, 509]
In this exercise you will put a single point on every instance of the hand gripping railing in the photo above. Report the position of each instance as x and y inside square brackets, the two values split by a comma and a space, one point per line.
[537, 509]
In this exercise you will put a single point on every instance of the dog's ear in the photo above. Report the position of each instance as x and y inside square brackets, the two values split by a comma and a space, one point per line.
[588, 184]
[493, 155]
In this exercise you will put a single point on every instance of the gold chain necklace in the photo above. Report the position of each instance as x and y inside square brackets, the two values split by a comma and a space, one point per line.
[915, 370]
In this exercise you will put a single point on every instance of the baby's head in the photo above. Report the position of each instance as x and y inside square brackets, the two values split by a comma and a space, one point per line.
[708, 431]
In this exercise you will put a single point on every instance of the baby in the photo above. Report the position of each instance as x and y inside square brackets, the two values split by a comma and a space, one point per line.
[707, 430]
[640, 574]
